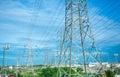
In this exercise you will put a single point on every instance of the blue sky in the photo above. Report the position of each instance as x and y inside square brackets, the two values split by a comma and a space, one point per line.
[43, 21]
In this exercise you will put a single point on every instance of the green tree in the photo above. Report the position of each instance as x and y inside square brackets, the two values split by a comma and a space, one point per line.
[109, 73]
[49, 72]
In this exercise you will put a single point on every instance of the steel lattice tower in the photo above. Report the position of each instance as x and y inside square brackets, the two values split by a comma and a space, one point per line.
[116, 57]
[46, 57]
[77, 33]
[29, 60]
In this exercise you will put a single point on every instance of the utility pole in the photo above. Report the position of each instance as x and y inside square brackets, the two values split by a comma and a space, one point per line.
[77, 31]
[5, 47]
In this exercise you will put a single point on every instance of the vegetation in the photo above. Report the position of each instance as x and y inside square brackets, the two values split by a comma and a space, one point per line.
[10, 71]
[49, 72]
[109, 73]
[54, 72]
[117, 71]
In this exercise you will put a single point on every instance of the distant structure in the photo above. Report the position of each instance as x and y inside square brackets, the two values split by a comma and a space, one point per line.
[107, 57]
[5, 47]
[29, 60]
[77, 32]
[53, 59]
[18, 65]
[46, 57]
[116, 57]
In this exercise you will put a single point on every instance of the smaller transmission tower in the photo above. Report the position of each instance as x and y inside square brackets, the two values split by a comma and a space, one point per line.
[5, 47]
[29, 60]
[53, 60]
[116, 57]
[18, 65]
[46, 57]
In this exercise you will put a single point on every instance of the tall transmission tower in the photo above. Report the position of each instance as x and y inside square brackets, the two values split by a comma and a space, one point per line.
[77, 32]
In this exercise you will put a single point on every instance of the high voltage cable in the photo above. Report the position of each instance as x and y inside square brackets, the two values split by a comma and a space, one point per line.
[54, 28]
[109, 37]
[36, 5]
[102, 10]
[100, 13]
[102, 19]
[106, 40]
[97, 11]
[53, 17]
[108, 28]
[58, 28]
[48, 38]
[34, 15]
[49, 24]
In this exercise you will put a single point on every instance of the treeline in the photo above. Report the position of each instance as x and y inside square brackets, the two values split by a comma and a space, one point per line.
[56, 72]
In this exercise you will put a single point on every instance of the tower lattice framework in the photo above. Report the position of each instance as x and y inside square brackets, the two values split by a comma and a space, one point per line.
[29, 60]
[77, 38]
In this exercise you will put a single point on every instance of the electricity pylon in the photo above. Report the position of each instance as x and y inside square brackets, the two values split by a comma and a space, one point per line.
[77, 33]
[18, 64]
[53, 60]
[116, 57]
[46, 57]
[29, 60]
[5, 47]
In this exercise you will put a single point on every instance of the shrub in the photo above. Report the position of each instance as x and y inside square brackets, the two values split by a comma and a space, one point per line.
[109, 73]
